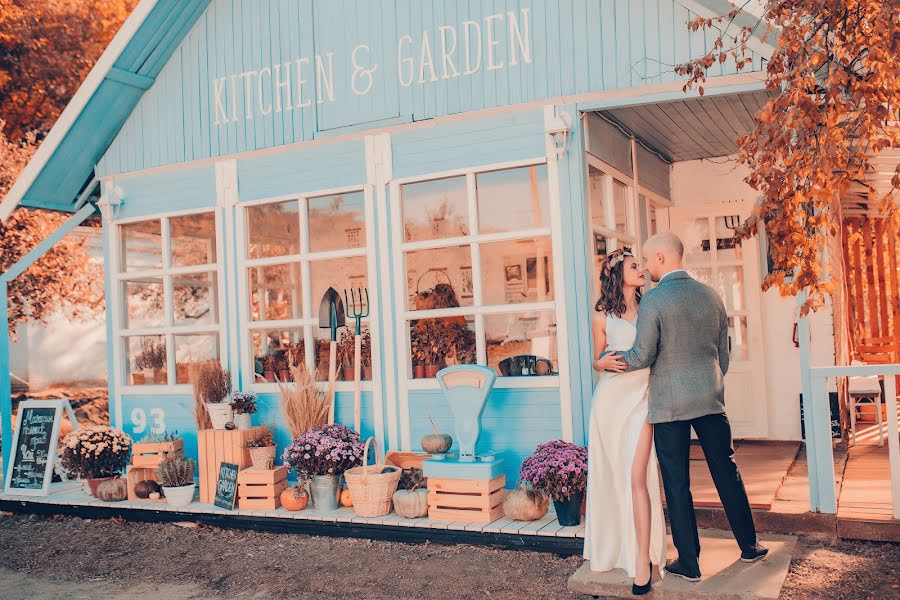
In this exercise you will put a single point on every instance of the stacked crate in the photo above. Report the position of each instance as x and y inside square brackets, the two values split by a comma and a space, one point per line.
[145, 459]
[468, 491]
[215, 446]
[260, 489]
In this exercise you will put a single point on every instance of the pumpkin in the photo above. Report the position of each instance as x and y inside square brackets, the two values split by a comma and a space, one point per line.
[294, 498]
[113, 490]
[411, 504]
[436, 443]
[522, 504]
[143, 489]
[346, 498]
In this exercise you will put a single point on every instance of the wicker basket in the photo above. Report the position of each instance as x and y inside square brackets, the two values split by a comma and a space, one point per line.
[372, 486]
[263, 458]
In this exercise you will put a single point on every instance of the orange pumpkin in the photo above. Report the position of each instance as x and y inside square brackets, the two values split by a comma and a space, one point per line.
[294, 498]
[346, 498]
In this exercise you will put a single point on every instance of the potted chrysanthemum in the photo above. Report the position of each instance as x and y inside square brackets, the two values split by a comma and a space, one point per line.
[559, 469]
[95, 454]
[320, 456]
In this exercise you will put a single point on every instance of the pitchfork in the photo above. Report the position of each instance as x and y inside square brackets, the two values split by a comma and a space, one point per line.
[358, 311]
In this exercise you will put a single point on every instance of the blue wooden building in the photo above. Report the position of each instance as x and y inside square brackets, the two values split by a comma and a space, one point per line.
[247, 155]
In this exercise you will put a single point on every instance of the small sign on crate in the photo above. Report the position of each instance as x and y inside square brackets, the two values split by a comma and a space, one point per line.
[226, 488]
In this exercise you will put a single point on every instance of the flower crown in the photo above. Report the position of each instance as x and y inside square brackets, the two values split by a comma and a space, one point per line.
[616, 257]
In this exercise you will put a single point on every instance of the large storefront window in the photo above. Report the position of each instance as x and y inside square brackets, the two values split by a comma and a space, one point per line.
[479, 272]
[295, 250]
[169, 284]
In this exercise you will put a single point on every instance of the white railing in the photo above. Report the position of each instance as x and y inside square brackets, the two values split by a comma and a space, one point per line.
[819, 454]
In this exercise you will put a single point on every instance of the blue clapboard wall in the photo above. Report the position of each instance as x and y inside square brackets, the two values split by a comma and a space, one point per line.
[371, 63]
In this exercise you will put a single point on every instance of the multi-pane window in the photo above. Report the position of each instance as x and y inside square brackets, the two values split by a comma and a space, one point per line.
[168, 280]
[612, 216]
[295, 251]
[478, 267]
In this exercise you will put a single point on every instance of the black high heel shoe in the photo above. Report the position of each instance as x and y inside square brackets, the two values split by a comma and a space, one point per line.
[640, 590]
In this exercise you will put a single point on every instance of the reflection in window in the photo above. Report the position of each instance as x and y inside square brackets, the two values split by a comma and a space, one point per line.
[517, 271]
[620, 206]
[440, 278]
[194, 298]
[435, 209]
[193, 349]
[340, 273]
[438, 343]
[738, 344]
[274, 351]
[513, 199]
[145, 360]
[143, 303]
[332, 217]
[521, 343]
[193, 239]
[273, 229]
[275, 293]
[141, 246]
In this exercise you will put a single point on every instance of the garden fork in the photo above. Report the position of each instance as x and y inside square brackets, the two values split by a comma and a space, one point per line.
[358, 312]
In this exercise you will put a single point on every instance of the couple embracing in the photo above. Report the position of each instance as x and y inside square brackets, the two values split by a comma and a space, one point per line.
[663, 359]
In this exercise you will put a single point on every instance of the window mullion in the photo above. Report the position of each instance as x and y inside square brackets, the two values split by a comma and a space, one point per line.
[480, 341]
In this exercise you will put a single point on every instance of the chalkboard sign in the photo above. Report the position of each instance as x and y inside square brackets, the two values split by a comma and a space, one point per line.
[226, 487]
[34, 446]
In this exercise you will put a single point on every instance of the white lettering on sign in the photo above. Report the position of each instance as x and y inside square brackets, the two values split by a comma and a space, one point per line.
[503, 40]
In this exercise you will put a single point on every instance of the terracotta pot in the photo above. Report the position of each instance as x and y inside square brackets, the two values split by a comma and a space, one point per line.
[160, 377]
[138, 379]
[270, 376]
[419, 372]
[367, 373]
[262, 458]
[431, 371]
[94, 482]
[347, 373]
[285, 375]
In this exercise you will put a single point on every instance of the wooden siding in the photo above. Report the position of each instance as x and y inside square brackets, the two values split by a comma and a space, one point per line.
[576, 46]
[156, 193]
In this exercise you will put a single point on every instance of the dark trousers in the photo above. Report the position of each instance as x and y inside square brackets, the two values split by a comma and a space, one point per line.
[673, 443]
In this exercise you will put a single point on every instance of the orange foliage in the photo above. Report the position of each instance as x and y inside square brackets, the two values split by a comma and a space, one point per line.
[835, 85]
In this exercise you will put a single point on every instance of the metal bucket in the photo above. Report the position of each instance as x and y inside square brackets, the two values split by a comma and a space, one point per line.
[324, 491]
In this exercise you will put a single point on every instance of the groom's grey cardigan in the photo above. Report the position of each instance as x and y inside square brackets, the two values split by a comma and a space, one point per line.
[682, 335]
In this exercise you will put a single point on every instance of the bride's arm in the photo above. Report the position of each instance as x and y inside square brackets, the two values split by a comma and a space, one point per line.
[611, 361]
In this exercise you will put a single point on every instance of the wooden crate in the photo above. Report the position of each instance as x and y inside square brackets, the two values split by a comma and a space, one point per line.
[215, 446]
[133, 476]
[260, 489]
[151, 455]
[468, 500]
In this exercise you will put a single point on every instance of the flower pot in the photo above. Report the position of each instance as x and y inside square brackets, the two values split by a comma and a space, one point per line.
[179, 496]
[160, 377]
[220, 413]
[270, 376]
[262, 458]
[138, 379]
[419, 371]
[324, 492]
[243, 420]
[568, 510]
[285, 375]
[367, 373]
[347, 373]
[93, 482]
[431, 371]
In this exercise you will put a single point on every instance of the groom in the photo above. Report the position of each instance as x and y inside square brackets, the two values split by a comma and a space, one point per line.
[682, 335]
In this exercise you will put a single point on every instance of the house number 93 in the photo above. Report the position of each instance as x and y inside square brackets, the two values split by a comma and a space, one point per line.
[139, 420]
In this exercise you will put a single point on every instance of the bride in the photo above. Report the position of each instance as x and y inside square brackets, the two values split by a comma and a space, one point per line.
[624, 525]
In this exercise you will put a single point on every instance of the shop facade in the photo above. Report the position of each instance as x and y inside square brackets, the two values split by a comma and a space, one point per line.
[469, 164]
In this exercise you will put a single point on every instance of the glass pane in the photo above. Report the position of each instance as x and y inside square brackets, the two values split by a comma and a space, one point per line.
[337, 222]
[737, 338]
[522, 343]
[437, 343]
[273, 229]
[652, 224]
[193, 239]
[595, 197]
[600, 252]
[517, 271]
[435, 209]
[274, 350]
[345, 356]
[145, 360]
[727, 246]
[341, 274]
[730, 286]
[195, 299]
[440, 278]
[696, 241]
[513, 199]
[701, 275]
[275, 293]
[190, 349]
[620, 206]
[143, 303]
[141, 246]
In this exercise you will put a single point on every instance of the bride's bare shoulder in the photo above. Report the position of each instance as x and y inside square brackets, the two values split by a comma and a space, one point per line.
[599, 319]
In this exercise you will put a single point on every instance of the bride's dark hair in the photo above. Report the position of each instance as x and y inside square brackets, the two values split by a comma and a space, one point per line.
[612, 280]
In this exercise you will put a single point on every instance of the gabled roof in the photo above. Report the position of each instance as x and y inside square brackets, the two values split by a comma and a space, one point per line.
[64, 163]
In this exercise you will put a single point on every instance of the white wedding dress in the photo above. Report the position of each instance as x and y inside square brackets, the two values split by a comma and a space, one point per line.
[618, 413]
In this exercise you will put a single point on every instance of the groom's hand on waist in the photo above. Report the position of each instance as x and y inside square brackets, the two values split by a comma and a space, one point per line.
[611, 361]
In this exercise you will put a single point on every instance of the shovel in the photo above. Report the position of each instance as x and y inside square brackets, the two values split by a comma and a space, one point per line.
[331, 316]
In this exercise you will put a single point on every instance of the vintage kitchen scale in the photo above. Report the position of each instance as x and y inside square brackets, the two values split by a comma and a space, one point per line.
[469, 486]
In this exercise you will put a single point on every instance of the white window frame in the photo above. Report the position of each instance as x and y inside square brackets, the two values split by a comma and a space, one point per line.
[169, 329]
[304, 258]
[475, 240]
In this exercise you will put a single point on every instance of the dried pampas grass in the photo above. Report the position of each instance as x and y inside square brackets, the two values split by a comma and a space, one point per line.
[212, 384]
[303, 405]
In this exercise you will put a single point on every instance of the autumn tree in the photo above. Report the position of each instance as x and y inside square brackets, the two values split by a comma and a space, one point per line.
[834, 82]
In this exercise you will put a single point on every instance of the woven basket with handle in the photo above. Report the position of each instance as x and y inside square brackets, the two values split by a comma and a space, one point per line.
[372, 486]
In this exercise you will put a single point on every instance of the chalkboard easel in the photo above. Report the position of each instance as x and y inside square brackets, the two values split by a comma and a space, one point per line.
[29, 470]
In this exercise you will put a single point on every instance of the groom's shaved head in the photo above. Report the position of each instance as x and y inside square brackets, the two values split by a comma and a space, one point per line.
[663, 253]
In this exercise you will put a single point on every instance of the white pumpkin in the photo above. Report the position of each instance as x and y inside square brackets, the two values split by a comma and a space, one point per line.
[522, 504]
[411, 504]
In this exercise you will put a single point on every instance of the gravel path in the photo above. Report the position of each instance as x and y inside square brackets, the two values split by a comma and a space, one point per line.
[57, 557]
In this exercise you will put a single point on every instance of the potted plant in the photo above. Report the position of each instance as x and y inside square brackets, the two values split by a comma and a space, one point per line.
[430, 346]
[366, 355]
[95, 453]
[212, 386]
[262, 449]
[320, 456]
[303, 404]
[282, 366]
[243, 405]
[462, 340]
[559, 469]
[176, 476]
[151, 361]
[270, 368]
[411, 498]
[345, 354]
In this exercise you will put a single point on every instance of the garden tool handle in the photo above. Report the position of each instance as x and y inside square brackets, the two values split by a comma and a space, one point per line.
[357, 376]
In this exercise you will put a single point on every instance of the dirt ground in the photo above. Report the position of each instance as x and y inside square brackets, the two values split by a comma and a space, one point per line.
[47, 557]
